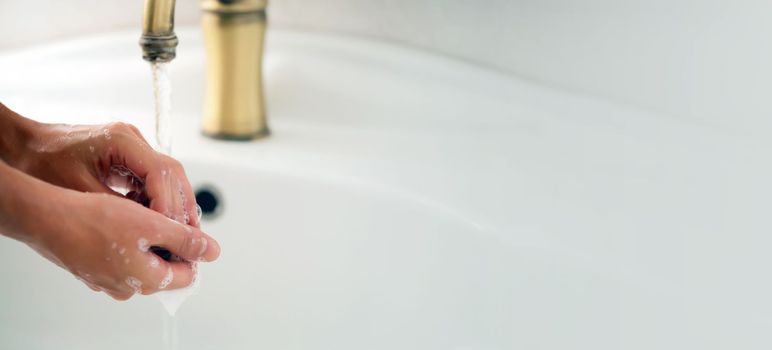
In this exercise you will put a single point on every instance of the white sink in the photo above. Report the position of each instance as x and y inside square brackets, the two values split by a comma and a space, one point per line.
[409, 201]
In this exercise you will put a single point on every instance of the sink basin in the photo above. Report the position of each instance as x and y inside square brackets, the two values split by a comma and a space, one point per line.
[409, 201]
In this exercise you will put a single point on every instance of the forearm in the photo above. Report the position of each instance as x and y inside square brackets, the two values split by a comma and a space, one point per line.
[16, 132]
[27, 204]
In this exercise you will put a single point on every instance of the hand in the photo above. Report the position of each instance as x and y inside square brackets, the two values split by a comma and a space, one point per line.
[92, 158]
[105, 240]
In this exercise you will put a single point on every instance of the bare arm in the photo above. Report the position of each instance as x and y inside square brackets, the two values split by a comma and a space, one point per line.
[17, 208]
[15, 134]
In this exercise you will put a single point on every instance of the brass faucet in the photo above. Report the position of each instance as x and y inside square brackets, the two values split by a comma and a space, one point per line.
[234, 32]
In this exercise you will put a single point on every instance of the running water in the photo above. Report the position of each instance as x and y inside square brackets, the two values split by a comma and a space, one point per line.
[171, 336]
[162, 91]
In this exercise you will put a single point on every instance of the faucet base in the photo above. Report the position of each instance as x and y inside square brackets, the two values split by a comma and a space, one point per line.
[237, 137]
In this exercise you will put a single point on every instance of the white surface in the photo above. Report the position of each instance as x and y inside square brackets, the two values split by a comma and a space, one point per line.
[704, 60]
[408, 201]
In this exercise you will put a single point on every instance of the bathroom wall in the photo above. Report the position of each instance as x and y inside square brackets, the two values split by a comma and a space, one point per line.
[709, 61]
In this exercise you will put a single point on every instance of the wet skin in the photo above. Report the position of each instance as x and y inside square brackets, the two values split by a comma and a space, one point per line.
[57, 198]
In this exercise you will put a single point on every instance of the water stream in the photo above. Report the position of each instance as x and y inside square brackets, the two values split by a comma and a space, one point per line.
[162, 91]
[170, 336]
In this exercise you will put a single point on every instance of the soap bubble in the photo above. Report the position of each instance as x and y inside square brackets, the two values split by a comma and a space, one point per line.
[134, 283]
[143, 245]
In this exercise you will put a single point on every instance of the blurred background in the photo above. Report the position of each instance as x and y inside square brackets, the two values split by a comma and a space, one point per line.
[706, 60]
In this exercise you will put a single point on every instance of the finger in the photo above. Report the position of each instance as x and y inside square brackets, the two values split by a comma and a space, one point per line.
[170, 275]
[177, 198]
[163, 193]
[184, 274]
[189, 243]
[145, 163]
[120, 296]
[166, 184]
[189, 198]
[136, 132]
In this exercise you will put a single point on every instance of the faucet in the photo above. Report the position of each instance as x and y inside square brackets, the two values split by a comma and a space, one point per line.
[234, 32]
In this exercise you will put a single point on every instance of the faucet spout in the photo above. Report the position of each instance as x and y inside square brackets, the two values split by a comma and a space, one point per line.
[158, 41]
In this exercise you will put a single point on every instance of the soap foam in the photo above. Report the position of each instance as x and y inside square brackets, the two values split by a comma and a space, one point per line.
[143, 245]
[134, 283]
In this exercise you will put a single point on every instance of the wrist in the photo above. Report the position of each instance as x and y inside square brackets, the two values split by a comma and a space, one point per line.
[16, 135]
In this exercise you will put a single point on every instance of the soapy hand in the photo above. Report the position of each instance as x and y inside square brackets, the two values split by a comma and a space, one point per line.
[96, 158]
[105, 238]
[106, 243]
